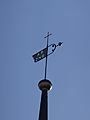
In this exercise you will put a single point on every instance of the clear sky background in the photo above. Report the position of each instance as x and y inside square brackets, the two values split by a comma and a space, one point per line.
[23, 25]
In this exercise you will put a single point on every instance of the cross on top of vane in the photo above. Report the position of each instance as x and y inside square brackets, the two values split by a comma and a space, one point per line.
[48, 34]
[44, 52]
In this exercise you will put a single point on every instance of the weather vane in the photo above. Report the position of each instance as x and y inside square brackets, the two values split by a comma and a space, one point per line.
[44, 52]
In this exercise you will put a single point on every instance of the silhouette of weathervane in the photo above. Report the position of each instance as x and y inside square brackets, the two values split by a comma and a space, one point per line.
[44, 52]
[45, 85]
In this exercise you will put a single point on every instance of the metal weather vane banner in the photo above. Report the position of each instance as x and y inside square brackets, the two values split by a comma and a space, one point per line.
[40, 55]
[43, 53]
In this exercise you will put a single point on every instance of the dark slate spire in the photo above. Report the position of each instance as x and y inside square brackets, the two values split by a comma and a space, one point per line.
[44, 86]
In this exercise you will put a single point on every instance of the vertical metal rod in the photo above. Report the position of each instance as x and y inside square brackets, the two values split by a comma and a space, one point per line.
[46, 55]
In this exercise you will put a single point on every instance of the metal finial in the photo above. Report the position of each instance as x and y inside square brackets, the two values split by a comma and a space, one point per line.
[44, 52]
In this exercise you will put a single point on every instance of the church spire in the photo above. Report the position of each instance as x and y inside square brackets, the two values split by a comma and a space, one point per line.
[45, 85]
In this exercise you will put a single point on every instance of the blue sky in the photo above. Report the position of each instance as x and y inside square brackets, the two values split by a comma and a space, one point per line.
[23, 25]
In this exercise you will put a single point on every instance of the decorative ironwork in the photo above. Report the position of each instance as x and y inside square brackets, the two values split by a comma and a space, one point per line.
[54, 46]
[44, 52]
[40, 55]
